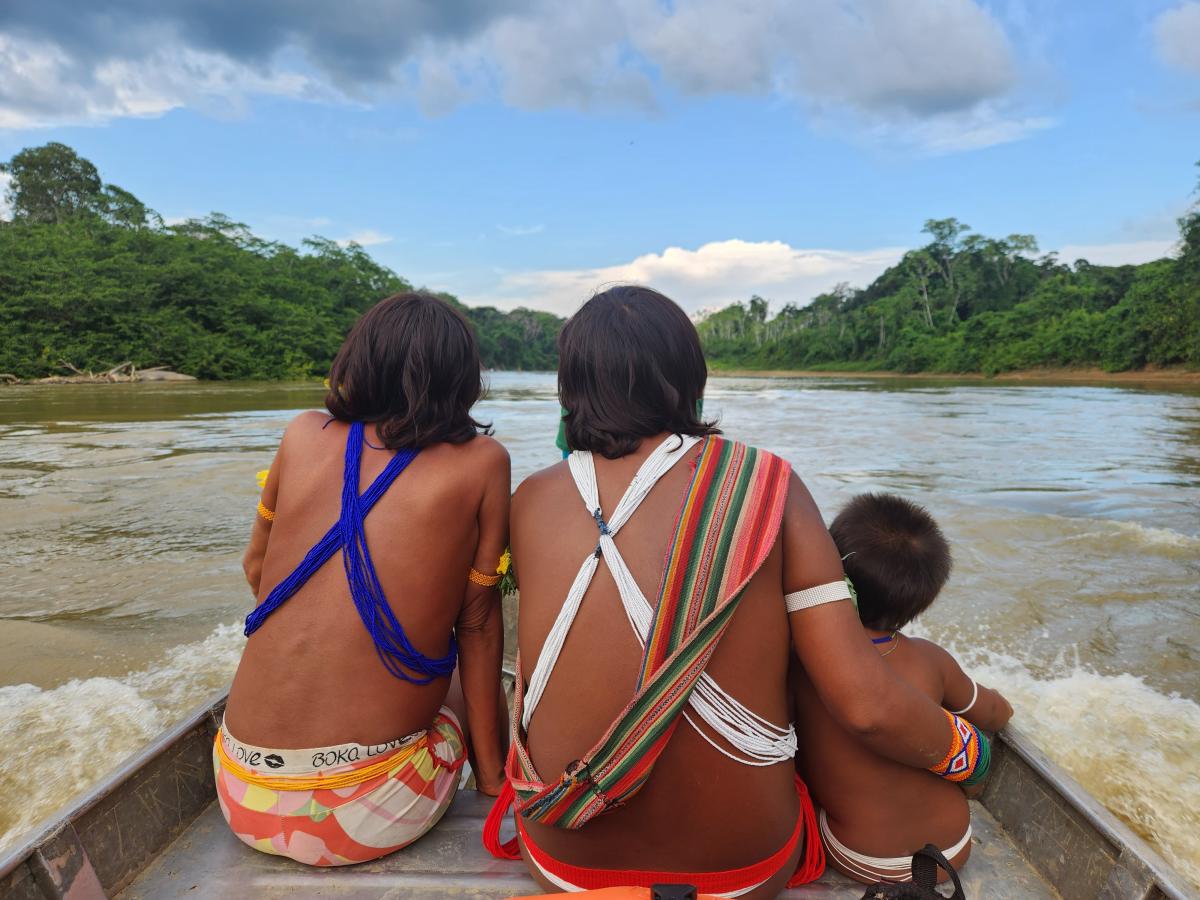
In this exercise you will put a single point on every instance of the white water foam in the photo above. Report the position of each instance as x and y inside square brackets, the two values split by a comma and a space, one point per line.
[1129, 745]
[57, 742]
[1132, 747]
[1147, 536]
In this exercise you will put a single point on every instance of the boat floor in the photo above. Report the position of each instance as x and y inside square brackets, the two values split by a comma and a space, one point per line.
[450, 862]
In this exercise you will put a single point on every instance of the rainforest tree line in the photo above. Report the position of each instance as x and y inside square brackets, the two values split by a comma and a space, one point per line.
[968, 303]
[91, 276]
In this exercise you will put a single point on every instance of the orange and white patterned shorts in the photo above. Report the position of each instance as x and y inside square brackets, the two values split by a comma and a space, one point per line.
[335, 806]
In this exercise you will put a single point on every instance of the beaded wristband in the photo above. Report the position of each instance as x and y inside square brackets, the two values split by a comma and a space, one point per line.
[969, 756]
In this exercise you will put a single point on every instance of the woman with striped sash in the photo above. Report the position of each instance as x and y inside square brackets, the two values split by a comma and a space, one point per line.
[652, 736]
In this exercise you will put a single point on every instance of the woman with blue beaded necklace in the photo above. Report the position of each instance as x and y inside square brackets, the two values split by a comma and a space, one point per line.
[374, 561]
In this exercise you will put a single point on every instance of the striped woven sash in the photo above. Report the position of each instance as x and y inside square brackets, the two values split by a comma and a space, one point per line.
[726, 527]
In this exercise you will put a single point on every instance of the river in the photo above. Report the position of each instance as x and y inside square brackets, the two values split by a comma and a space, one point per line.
[1073, 512]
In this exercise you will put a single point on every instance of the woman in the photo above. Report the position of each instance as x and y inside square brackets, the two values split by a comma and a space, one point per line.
[374, 560]
[658, 687]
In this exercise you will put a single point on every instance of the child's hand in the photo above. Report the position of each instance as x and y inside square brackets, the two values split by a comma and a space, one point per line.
[991, 711]
[1006, 710]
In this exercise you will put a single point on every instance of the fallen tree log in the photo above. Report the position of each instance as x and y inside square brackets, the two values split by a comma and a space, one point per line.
[125, 373]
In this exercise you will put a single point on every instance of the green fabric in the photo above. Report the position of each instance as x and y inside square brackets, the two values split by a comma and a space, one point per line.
[561, 441]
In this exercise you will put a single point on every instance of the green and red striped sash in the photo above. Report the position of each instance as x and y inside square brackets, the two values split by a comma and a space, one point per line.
[725, 530]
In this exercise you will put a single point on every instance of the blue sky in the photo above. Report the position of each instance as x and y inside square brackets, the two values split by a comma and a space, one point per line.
[523, 152]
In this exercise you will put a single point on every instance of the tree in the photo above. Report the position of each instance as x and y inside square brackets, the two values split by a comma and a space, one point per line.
[922, 266]
[1189, 234]
[52, 183]
[947, 242]
[122, 208]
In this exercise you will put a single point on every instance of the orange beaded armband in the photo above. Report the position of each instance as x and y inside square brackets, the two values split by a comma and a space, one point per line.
[268, 514]
[477, 577]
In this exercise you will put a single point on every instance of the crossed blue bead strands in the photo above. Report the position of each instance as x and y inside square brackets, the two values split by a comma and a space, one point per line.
[396, 652]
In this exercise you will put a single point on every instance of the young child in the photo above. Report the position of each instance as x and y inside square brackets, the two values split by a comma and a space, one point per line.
[875, 812]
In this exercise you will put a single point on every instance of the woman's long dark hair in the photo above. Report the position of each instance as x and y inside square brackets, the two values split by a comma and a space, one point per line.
[411, 366]
[630, 367]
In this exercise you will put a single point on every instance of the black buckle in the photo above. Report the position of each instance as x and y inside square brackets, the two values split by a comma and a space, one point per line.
[672, 892]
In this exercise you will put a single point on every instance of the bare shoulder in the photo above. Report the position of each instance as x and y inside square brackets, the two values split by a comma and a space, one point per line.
[801, 510]
[933, 655]
[488, 453]
[305, 428]
[540, 486]
[307, 422]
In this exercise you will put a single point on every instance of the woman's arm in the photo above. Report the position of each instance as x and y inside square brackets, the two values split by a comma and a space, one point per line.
[893, 718]
[252, 561]
[480, 634]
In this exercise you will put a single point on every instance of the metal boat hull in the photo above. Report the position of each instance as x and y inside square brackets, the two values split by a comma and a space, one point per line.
[153, 830]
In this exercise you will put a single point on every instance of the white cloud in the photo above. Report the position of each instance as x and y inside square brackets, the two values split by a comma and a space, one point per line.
[984, 126]
[937, 72]
[520, 230]
[1118, 254]
[1177, 36]
[882, 56]
[366, 237]
[41, 85]
[712, 275]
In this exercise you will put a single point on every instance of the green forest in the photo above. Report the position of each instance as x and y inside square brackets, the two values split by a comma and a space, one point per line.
[969, 303]
[92, 277]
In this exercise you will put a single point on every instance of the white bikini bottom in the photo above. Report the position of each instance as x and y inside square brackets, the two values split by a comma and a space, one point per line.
[877, 868]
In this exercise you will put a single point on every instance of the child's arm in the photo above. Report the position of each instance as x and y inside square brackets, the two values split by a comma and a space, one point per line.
[983, 707]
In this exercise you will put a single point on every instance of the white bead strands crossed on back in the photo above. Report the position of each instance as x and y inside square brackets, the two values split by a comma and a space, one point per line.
[758, 741]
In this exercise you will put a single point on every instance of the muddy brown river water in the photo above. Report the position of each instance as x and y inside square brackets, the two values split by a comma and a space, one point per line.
[1074, 514]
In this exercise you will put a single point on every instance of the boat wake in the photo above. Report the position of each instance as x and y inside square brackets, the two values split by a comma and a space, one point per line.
[1131, 746]
[58, 742]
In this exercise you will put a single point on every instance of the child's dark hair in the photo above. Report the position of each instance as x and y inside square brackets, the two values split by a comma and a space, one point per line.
[630, 366]
[410, 365]
[896, 556]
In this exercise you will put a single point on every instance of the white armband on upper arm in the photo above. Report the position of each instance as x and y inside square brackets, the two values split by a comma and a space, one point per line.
[817, 596]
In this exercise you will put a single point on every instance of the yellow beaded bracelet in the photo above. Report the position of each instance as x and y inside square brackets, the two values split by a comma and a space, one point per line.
[268, 514]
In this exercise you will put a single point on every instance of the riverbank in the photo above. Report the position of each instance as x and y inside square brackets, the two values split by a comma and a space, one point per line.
[1162, 377]
[125, 373]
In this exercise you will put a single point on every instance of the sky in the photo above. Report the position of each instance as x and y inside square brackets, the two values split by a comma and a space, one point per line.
[528, 152]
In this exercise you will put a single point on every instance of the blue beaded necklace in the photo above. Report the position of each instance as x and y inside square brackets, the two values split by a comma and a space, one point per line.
[395, 651]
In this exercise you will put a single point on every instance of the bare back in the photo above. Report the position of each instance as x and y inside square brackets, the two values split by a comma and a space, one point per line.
[311, 676]
[700, 810]
[875, 805]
